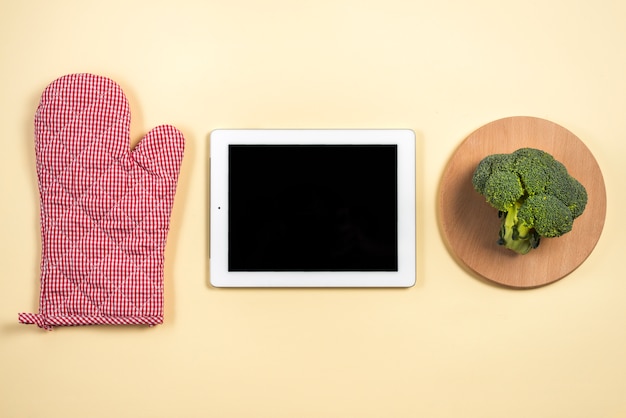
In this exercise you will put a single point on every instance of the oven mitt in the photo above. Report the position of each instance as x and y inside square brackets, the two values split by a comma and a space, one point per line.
[104, 208]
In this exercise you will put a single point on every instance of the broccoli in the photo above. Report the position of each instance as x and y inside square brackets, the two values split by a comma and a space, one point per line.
[534, 194]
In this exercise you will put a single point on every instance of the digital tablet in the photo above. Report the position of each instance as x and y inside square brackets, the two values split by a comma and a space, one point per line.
[312, 208]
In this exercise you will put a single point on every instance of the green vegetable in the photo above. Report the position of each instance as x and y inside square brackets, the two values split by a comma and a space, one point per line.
[534, 194]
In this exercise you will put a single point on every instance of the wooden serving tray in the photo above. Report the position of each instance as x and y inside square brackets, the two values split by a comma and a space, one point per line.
[470, 225]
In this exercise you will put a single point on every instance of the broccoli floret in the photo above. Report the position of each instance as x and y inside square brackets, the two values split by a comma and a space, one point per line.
[534, 194]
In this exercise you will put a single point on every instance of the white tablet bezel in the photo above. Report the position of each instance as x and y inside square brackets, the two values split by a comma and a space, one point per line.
[220, 140]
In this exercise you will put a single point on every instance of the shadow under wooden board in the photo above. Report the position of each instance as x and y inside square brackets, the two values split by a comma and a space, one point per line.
[470, 225]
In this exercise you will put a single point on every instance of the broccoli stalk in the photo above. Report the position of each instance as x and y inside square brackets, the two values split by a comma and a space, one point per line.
[516, 235]
[534, 195]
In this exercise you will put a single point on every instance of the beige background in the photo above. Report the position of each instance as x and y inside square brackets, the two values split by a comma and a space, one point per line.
[453, 345]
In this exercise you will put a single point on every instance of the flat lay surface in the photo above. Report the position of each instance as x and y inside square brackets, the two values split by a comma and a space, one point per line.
[453, 345]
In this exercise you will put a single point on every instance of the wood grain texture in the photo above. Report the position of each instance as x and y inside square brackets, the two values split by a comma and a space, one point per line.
[470, 225]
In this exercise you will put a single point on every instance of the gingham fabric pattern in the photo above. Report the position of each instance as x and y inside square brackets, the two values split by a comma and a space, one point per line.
[104, 208]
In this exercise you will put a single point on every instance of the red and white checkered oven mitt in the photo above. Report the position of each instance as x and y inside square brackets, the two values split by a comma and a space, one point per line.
[104, 208]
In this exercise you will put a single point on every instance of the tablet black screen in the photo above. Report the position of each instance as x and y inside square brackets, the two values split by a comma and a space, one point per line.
[312, 208]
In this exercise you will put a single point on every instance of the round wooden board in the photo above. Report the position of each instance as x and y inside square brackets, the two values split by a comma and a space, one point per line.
[470, 225]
